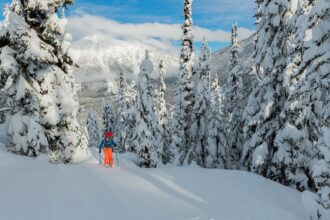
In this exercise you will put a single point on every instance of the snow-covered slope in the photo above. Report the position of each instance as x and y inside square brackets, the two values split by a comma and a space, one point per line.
[34, 189]
[100, 59]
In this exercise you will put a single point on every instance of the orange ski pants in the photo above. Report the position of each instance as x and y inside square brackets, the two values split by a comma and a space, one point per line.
[107, 156]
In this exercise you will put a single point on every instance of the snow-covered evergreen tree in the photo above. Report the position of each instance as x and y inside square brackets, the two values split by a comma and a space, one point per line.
[108, 117]
[84, 140]
[258, 15]
[234, 47]
[144, 140]
[216, 140]
[296, 29]
[6, 14]
[93, 129]
[294, 142]
[184, 100]
[200, 153]
[39, 82]
[132, 94]
[121, 111]
[130, 122]
[233, 107]
[320, 170]
[262, 113]
[318, 205]
[163, 115]
[215, 88]
[312, 105]
[162, 109]
[157, 129]
[62, 9]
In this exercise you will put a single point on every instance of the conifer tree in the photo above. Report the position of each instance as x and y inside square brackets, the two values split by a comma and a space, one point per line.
[130, 122]
[39, 82]
[163, 116]
[121, 111]
[233, 105]
[216, 140]
[320, 173]
[184, 100]
[63, 9]
[294, 141]
[143, 136]
[6, 14]
[199, 151]
[262, 113]
[93, 129]
[162, 109]
[234, 47]
[132, 93]
[311, 96]
[108, 117]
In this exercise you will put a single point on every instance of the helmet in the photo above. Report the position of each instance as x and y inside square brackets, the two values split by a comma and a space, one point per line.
[107, 134]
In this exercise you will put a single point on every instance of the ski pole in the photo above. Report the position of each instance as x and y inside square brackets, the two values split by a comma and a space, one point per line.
[117, 158]
[100, 159]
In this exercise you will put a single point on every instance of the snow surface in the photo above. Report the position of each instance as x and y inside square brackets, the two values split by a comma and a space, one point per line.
[34, 189]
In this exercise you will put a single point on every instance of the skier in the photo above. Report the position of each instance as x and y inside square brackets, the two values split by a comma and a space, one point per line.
[107, 144]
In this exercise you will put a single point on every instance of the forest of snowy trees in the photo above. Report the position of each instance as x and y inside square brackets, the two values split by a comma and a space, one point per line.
[273, 121]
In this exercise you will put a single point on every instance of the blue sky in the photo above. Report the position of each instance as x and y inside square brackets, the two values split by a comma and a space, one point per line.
[211, 15]
[207, 13]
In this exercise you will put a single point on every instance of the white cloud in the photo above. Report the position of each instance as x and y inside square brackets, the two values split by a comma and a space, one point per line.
[86, 25]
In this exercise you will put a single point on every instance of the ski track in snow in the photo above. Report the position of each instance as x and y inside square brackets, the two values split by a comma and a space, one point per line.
[34, 189]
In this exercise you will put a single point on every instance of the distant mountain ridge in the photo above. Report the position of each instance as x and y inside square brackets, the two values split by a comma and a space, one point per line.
[101, 59]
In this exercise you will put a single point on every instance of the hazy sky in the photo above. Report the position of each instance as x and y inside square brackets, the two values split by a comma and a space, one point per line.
[160, 19]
